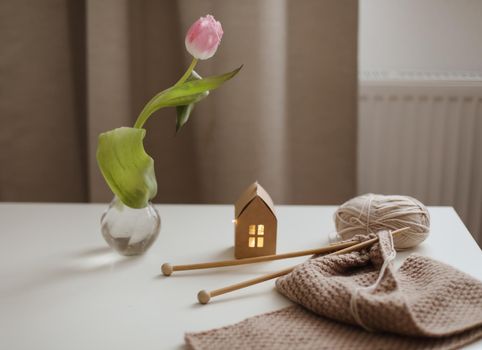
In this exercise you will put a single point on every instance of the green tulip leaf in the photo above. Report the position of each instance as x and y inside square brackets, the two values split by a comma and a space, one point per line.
[183, 112]
[126, 167]
[189, 92]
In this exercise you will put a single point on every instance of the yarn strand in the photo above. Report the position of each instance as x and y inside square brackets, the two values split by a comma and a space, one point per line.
[371, 288]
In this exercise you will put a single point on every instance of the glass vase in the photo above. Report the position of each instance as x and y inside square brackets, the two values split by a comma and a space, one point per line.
[130, 231]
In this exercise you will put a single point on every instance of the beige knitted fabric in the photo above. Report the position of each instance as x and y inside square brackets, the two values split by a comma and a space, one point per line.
[424, 305]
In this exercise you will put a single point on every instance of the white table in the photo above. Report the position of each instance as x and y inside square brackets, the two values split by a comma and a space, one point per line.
[63, 288]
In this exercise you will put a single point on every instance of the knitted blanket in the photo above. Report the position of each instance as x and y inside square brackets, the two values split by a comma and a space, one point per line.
[359, 301]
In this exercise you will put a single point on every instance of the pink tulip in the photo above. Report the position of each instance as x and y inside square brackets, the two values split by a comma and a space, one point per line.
[203, 38]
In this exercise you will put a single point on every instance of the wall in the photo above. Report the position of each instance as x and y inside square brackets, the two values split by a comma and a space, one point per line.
[420, 35]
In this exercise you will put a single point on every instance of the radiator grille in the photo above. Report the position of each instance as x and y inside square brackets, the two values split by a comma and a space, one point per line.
[423, 138]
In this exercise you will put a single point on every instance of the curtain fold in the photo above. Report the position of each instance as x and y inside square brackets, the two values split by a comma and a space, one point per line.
[42, 101]
[287, 120]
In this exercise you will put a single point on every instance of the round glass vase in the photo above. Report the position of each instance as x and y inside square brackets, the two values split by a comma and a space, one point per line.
[130, 231]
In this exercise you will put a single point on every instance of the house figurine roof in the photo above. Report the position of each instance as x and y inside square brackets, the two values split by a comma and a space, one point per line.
[253, 191]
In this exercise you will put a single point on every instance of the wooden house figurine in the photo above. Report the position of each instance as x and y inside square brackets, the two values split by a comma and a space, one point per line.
[255, 223]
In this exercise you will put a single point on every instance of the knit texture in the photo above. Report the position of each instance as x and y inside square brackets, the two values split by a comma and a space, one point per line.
[424, 305]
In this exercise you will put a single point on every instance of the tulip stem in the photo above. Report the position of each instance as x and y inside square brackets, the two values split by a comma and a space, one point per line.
[188, 72]
[146, 111]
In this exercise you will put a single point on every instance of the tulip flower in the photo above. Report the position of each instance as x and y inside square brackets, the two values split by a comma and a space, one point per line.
[122, 159]
[204, 37]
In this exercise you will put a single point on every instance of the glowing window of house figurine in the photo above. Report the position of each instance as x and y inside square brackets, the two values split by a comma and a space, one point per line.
[255, 223]
[257, 231]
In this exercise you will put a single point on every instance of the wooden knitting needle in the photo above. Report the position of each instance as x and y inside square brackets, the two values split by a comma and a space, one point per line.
[167, 269]
[204, 296]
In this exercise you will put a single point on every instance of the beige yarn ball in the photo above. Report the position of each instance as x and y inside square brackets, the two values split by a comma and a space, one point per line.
[371, 213]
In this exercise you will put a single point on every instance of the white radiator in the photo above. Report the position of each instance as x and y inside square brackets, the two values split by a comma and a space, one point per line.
[420, 134]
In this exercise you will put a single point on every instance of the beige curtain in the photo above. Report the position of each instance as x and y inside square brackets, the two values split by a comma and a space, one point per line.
[70, 70]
